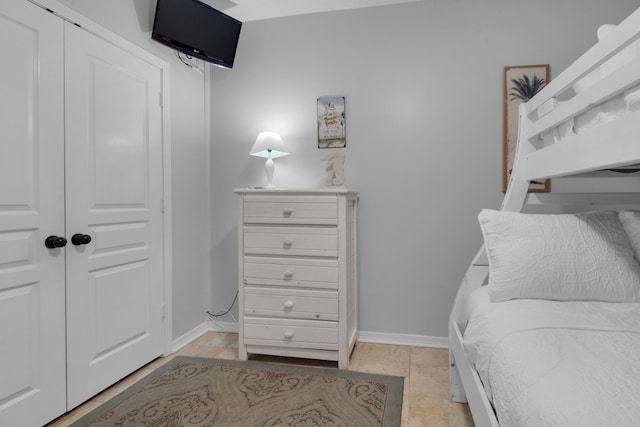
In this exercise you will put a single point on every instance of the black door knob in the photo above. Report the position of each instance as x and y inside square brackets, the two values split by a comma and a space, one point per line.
[52, 242]
[80, 239]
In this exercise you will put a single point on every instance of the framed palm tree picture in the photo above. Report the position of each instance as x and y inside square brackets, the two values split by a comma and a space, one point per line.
[521, 83]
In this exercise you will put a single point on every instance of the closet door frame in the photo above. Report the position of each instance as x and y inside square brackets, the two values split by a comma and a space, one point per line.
[72, 16]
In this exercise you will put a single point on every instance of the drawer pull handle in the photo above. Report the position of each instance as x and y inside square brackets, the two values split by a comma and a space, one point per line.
[288, 243]
[288, 335]
[288, 275]
[287, 212]
[289, 304]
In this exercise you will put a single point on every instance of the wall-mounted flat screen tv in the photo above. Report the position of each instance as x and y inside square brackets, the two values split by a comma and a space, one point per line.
[197, 29]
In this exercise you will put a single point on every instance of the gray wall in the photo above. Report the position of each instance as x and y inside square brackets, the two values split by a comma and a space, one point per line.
[132, 20]
[423, 87]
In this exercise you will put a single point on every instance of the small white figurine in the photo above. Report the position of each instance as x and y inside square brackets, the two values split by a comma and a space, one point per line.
[335, 168]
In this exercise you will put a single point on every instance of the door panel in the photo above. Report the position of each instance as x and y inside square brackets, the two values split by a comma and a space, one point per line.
[32, 282]
[113, 194]
[119, 150]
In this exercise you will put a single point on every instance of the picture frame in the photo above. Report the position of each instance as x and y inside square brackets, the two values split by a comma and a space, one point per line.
[331, 122]
[520, 83]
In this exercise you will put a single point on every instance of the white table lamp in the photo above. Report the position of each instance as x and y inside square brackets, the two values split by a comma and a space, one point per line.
[270, 145]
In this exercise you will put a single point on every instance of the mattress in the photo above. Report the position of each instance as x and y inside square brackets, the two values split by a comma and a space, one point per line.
[552, 363]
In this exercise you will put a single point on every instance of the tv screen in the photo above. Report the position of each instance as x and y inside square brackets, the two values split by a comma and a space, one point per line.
[197, 29]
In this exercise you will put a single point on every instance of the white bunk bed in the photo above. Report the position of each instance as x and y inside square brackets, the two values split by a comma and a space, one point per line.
[586, 119]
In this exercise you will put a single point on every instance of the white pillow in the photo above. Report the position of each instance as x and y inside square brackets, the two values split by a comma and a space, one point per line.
[585, 256]
[631, 223]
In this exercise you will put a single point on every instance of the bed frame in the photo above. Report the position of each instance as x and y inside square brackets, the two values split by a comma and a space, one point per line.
[609, 146]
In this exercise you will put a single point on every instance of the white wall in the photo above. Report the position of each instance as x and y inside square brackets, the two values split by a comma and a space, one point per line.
[423, 87]
[132, 20]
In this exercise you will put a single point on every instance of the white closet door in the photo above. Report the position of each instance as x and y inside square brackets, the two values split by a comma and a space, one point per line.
[32, 317]
[114, 196]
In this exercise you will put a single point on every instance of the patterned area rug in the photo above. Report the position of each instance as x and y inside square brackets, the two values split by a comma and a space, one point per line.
[194, 391]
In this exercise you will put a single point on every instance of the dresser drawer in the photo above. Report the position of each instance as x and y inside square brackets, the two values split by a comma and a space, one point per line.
[315, 334]
[296, 241]
[291, 303]
[290, 210]
[291, 272]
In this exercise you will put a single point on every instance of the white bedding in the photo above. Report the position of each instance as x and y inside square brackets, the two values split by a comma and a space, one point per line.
[608, 111]
[552, 363]
[611, 109]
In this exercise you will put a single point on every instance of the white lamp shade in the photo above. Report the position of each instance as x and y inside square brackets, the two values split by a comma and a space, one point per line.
[269, 144]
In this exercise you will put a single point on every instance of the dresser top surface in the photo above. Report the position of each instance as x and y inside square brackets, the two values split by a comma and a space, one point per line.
[288, 191]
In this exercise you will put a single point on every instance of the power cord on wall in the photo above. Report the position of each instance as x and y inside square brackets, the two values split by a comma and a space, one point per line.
[225, 312]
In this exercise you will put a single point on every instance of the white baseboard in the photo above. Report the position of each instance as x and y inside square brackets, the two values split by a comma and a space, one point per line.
[363, 336]
[403, 339]
[190, 336]
[217, 326]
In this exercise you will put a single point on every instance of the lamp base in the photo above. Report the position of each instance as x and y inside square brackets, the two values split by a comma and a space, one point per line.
[269, 167]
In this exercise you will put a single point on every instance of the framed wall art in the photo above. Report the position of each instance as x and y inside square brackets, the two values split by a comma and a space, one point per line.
[331, 122]
[521, 83]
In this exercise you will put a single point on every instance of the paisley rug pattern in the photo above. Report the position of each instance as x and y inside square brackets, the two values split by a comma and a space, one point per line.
[195, 391]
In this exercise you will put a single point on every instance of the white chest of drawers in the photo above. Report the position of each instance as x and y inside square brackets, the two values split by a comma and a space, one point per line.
[298, 273]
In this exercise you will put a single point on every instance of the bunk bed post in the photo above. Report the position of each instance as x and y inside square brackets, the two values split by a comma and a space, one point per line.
[461, 373]
[518, 186]
[476, 276]
[456, 389]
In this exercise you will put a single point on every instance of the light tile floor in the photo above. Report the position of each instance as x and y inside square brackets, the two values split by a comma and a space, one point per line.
[426, 371]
